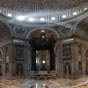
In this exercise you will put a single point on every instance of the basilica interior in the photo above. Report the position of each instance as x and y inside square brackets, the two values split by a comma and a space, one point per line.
[43, 44]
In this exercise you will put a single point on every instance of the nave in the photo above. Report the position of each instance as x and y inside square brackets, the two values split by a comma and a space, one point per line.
[58, 83]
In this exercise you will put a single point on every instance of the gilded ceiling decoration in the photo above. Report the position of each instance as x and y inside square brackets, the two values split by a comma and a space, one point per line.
[36, 5]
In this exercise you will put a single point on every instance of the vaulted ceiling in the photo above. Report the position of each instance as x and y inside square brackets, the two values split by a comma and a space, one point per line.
[82, 28]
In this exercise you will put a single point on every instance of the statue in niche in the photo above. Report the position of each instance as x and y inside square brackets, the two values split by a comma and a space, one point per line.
[19, 69]
[19, 51]
[67, 69]
[6, 51]
[80, 65]
[80, 49]
[7, 67]
[67, 50]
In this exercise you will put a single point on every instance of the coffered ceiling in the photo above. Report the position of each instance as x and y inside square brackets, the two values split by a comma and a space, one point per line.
[36, 5]
[42, 11]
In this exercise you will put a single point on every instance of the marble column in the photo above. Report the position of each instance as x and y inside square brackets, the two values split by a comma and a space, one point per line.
[59, 63]
[27, 58]
[9, 61]
[75, 70]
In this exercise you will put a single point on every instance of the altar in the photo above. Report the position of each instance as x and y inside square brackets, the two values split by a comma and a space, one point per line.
[43, 75]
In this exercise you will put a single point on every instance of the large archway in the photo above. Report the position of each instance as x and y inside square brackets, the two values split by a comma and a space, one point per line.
[5, 34]
[81, 33]
[82, 28]
[42, 50]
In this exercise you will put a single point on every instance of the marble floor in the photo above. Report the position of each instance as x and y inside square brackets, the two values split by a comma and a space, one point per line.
[58, 83]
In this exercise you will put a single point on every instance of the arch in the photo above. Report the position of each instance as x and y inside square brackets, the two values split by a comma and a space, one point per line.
[81, 28]
[33, 30]
[5, 30]
[78, 22]
[43, 40]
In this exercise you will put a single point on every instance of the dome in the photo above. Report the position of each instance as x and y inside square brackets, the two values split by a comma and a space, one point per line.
[42, 11]
[38, 5]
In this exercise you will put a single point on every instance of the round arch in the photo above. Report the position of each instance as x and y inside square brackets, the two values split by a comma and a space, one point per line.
[33, 30]
[81, 28]
[79, 21]
[43, 42]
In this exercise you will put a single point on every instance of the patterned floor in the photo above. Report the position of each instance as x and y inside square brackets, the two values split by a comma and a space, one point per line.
[58, 83]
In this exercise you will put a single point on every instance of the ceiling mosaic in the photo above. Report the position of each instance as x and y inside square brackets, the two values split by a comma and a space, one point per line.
[38, 5]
